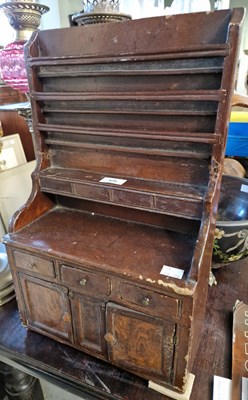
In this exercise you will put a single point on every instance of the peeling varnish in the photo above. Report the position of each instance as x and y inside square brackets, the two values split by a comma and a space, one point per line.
[186, 373]
[150, 280]
[45, 155]
[178, 290]
[215, 169]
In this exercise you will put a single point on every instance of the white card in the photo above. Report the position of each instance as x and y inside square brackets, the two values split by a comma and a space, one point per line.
[222, 388]
[244, 388]
[172, 272]
[114, 181]
[244, 188]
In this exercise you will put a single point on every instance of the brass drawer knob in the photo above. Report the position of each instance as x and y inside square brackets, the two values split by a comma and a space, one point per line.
[110, 339]
[146, 301]
[32, 266]
[83, 282]
[66, 317]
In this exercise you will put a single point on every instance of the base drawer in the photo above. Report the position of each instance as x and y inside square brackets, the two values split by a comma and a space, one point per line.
[155, 303]
[85, 281]
[30, 262]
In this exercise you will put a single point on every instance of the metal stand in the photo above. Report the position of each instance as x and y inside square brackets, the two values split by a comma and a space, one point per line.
[19, 385]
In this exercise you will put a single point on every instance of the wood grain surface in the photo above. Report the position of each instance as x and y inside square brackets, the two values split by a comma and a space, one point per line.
[99, 380]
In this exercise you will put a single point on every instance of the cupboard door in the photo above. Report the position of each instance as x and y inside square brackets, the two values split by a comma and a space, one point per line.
[140, 343]
[89, 323]
[47, 307]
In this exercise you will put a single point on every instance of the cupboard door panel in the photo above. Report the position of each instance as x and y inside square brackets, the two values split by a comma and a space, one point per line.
[140, 343]
[89, 323]
[47, 307]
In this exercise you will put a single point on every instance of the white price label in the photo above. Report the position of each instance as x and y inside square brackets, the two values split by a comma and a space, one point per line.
[114, 181]
[222, 388]
[244, 188]
[172, 272]
[244, 388]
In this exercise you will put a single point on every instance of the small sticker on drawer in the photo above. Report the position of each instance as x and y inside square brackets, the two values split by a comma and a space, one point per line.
[114, 181]
[172, 272]
[244, 188]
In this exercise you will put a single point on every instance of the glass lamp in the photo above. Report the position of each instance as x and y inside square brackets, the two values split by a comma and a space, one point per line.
[24, 16]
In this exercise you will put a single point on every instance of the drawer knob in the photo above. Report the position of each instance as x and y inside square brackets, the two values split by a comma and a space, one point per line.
[83, 282]
[32, 266]
[66, 317]
[110, 339]
[146, 301]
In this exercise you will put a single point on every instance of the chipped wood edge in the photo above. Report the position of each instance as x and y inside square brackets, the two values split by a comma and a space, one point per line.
[172, 394]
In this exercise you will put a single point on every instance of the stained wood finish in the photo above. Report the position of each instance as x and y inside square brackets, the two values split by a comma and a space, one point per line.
[93, 379]
[47, 307]
[89, 321]
[153, 113]
[139, 343]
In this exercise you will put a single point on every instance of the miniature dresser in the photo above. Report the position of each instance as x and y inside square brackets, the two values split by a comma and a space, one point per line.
[112, 252]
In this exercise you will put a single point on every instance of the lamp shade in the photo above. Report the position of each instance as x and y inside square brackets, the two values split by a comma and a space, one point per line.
[12, 66]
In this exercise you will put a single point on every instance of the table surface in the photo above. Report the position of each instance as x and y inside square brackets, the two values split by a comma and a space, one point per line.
[94, 379]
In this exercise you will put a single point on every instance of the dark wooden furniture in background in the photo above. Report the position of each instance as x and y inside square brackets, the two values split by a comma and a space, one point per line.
[9, 95]
[121, 101]
[12, 123]
[94, 379]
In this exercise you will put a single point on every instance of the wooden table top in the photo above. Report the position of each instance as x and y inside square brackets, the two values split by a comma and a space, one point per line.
[96, 379]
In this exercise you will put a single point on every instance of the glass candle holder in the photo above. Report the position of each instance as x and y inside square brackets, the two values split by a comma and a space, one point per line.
[101, 6]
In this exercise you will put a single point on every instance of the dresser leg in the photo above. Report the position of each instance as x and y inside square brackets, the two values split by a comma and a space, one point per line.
[19, 385]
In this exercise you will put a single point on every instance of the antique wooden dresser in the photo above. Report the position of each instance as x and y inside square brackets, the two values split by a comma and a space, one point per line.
[112, 252]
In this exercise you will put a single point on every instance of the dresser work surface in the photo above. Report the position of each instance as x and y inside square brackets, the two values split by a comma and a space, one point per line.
[111, 254]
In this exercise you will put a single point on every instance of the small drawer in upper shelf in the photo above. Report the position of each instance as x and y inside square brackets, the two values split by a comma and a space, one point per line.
[32, 263]
[155, 303]
[163, 197]
[85, 281]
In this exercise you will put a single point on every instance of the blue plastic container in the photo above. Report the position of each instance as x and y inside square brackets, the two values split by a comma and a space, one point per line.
[237, 140]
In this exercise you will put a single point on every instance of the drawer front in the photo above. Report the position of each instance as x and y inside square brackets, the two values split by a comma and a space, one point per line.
[37, 265]
[85, 281]
[154, 303]
[134, 199]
